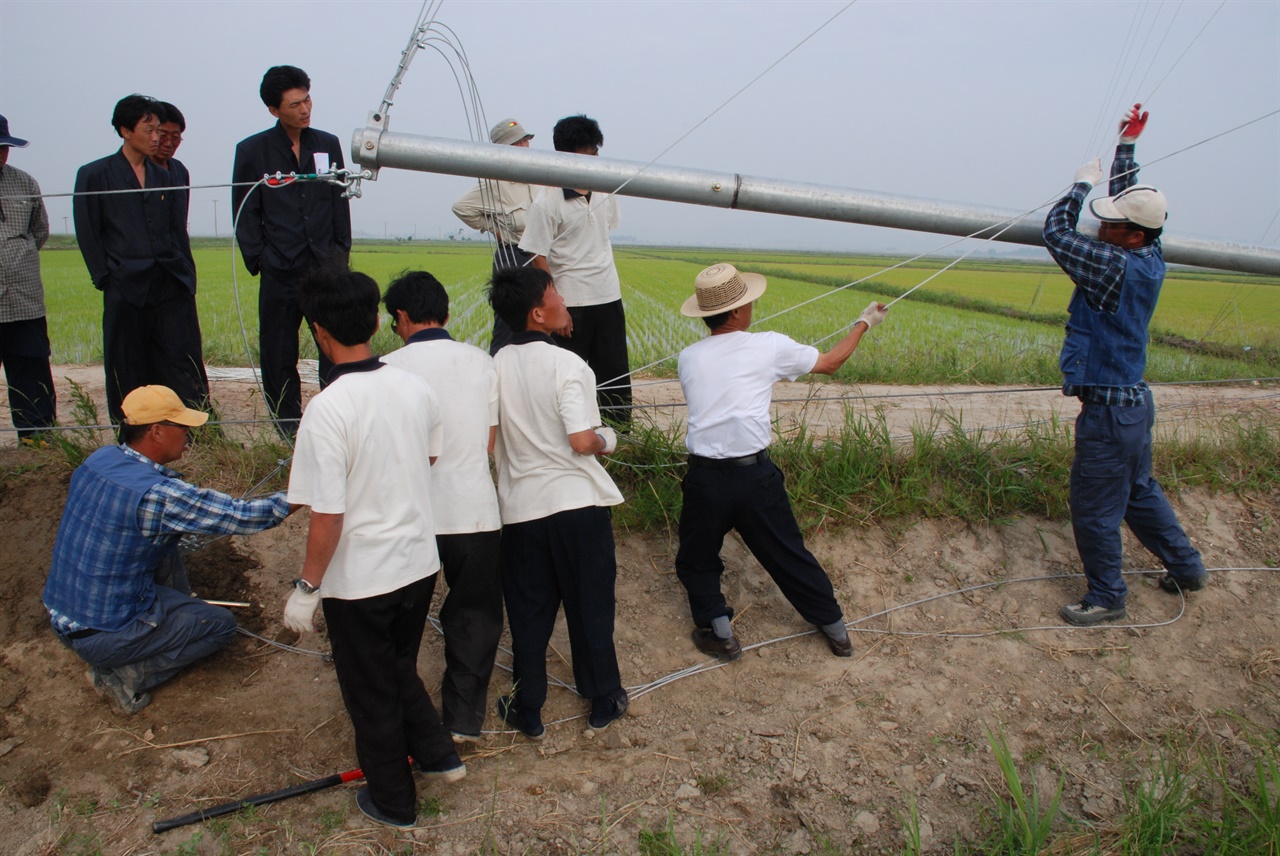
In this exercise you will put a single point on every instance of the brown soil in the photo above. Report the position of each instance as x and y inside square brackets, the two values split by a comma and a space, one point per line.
[788, 750]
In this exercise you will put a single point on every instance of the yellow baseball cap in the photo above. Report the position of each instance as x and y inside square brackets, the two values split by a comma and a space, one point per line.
[147, 405]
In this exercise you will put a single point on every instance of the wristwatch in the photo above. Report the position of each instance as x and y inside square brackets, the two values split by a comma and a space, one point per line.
[305, 587]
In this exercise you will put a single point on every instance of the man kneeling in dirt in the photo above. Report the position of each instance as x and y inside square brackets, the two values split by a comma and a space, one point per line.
[117, 592]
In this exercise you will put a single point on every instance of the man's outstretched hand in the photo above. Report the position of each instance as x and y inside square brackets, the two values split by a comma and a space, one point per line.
[1090, 173]
[1133, 123]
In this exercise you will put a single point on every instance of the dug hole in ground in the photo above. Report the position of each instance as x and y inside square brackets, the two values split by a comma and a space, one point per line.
[788, 750]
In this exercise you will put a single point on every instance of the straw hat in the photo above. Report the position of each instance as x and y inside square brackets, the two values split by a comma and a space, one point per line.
[720, 288]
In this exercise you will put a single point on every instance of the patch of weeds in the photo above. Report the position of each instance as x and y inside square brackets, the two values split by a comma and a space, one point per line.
[333, 818]
[711, 784]
[430, 806]
[72, 843]
[663, 842]
[86, 806]
[826, 847]
[911, 842]
[57, 804]
[191, 847]
[1023, 820]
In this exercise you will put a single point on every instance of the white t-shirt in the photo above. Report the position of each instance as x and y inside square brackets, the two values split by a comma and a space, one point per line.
[728, 383]
[573, 234]
[466, 386]
[545, 394]
[363, 452]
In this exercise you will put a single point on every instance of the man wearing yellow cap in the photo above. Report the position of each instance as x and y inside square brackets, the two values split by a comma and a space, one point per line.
[1117, 278]
[117, 593]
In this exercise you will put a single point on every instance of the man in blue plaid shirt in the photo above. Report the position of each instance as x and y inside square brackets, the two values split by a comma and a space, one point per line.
[1117, 277]
[117, 593]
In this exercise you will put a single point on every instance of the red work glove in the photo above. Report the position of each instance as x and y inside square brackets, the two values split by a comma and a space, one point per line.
[1132, 125]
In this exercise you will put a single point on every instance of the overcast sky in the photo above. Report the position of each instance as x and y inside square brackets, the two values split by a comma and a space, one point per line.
[992, 104]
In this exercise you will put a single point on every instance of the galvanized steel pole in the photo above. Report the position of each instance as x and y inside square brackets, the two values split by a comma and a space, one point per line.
[374, 147]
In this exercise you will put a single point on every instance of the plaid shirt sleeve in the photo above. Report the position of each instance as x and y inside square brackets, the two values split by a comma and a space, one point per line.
[1096, 268]
[173, 507]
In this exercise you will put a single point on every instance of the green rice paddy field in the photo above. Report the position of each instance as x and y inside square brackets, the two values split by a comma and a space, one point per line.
[980, 322]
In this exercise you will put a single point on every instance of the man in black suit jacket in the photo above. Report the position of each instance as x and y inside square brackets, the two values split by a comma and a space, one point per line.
[136, 248]
[285, 230]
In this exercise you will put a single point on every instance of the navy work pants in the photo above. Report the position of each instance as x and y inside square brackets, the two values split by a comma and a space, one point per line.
[1111, 482]
[24, 353]
[471, 617]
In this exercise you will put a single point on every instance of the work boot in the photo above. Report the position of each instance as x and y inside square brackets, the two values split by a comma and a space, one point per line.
[110, 687]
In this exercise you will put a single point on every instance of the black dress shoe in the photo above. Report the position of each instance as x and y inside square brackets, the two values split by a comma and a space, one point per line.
[841, 648]
[706, 641]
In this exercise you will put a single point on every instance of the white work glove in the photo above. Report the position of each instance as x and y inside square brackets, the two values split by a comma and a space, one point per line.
[873, 314]
[610, 438]
[1090, 173]
[1133, 124]
[299, 609]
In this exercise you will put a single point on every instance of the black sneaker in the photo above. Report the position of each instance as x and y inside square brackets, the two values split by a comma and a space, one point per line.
[606, 709]
[364, 802]
[448, 769]
[527, 722]
[706, 641]
[1084, 614]
[1176, 585]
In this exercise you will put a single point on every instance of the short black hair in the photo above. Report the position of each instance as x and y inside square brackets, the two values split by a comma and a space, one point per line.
[716, 321]
[1152, 235]
[168, 113]
[130, 433]
[132, 109]
[278, 80]
[576, 132]
[515, 292]
[420, 295]
[342, 301]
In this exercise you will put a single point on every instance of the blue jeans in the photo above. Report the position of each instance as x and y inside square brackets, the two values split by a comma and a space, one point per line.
[176, 631]
[1111, 482]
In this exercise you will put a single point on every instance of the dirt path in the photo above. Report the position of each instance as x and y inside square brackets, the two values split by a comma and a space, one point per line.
[788, 750]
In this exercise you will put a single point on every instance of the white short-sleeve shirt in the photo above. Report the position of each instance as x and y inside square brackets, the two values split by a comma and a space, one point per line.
[573, 235]
[466, 385]
[545, 394]
[363, 451]
[728, 383]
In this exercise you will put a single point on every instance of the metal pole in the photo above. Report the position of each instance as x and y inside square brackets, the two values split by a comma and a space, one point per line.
[375, 147]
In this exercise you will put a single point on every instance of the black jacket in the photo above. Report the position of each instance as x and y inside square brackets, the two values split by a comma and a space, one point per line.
[124, 237]
[286, 229]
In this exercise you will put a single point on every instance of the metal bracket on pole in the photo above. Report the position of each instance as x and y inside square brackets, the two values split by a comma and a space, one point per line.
[365, 142]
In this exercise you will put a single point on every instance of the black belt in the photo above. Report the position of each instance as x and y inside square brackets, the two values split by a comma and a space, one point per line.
[699, 462]
[81, 634]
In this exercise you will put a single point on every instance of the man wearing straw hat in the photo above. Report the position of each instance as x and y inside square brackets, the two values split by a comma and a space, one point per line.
[728, 380]
[117, 593]
[1117, 279]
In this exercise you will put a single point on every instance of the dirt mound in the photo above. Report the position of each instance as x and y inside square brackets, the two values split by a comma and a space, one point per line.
[787, 750]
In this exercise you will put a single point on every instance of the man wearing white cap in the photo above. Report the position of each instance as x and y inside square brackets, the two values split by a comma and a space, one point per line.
[1117, 278]
[498, 207]
[117, 593]
[728, 380]
[24, 332]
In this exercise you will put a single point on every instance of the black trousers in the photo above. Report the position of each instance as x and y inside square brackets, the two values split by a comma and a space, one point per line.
[600, 338]
[375, 643]
[471, 617]
[279, 318]
[156, 343]
[505, 256]
[24, 354]
[752, 500]
[564, 558]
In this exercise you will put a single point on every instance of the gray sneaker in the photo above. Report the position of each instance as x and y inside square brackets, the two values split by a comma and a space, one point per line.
[1084, 614]
[109, 686]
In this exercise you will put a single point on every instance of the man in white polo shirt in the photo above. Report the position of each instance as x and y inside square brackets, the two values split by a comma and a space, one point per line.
[468, 528]
[363, 464]
[728, 381]
[557, 536]
[567, 231]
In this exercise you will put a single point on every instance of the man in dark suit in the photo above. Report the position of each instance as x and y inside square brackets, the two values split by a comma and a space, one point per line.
[285, 230]
[136, 248]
